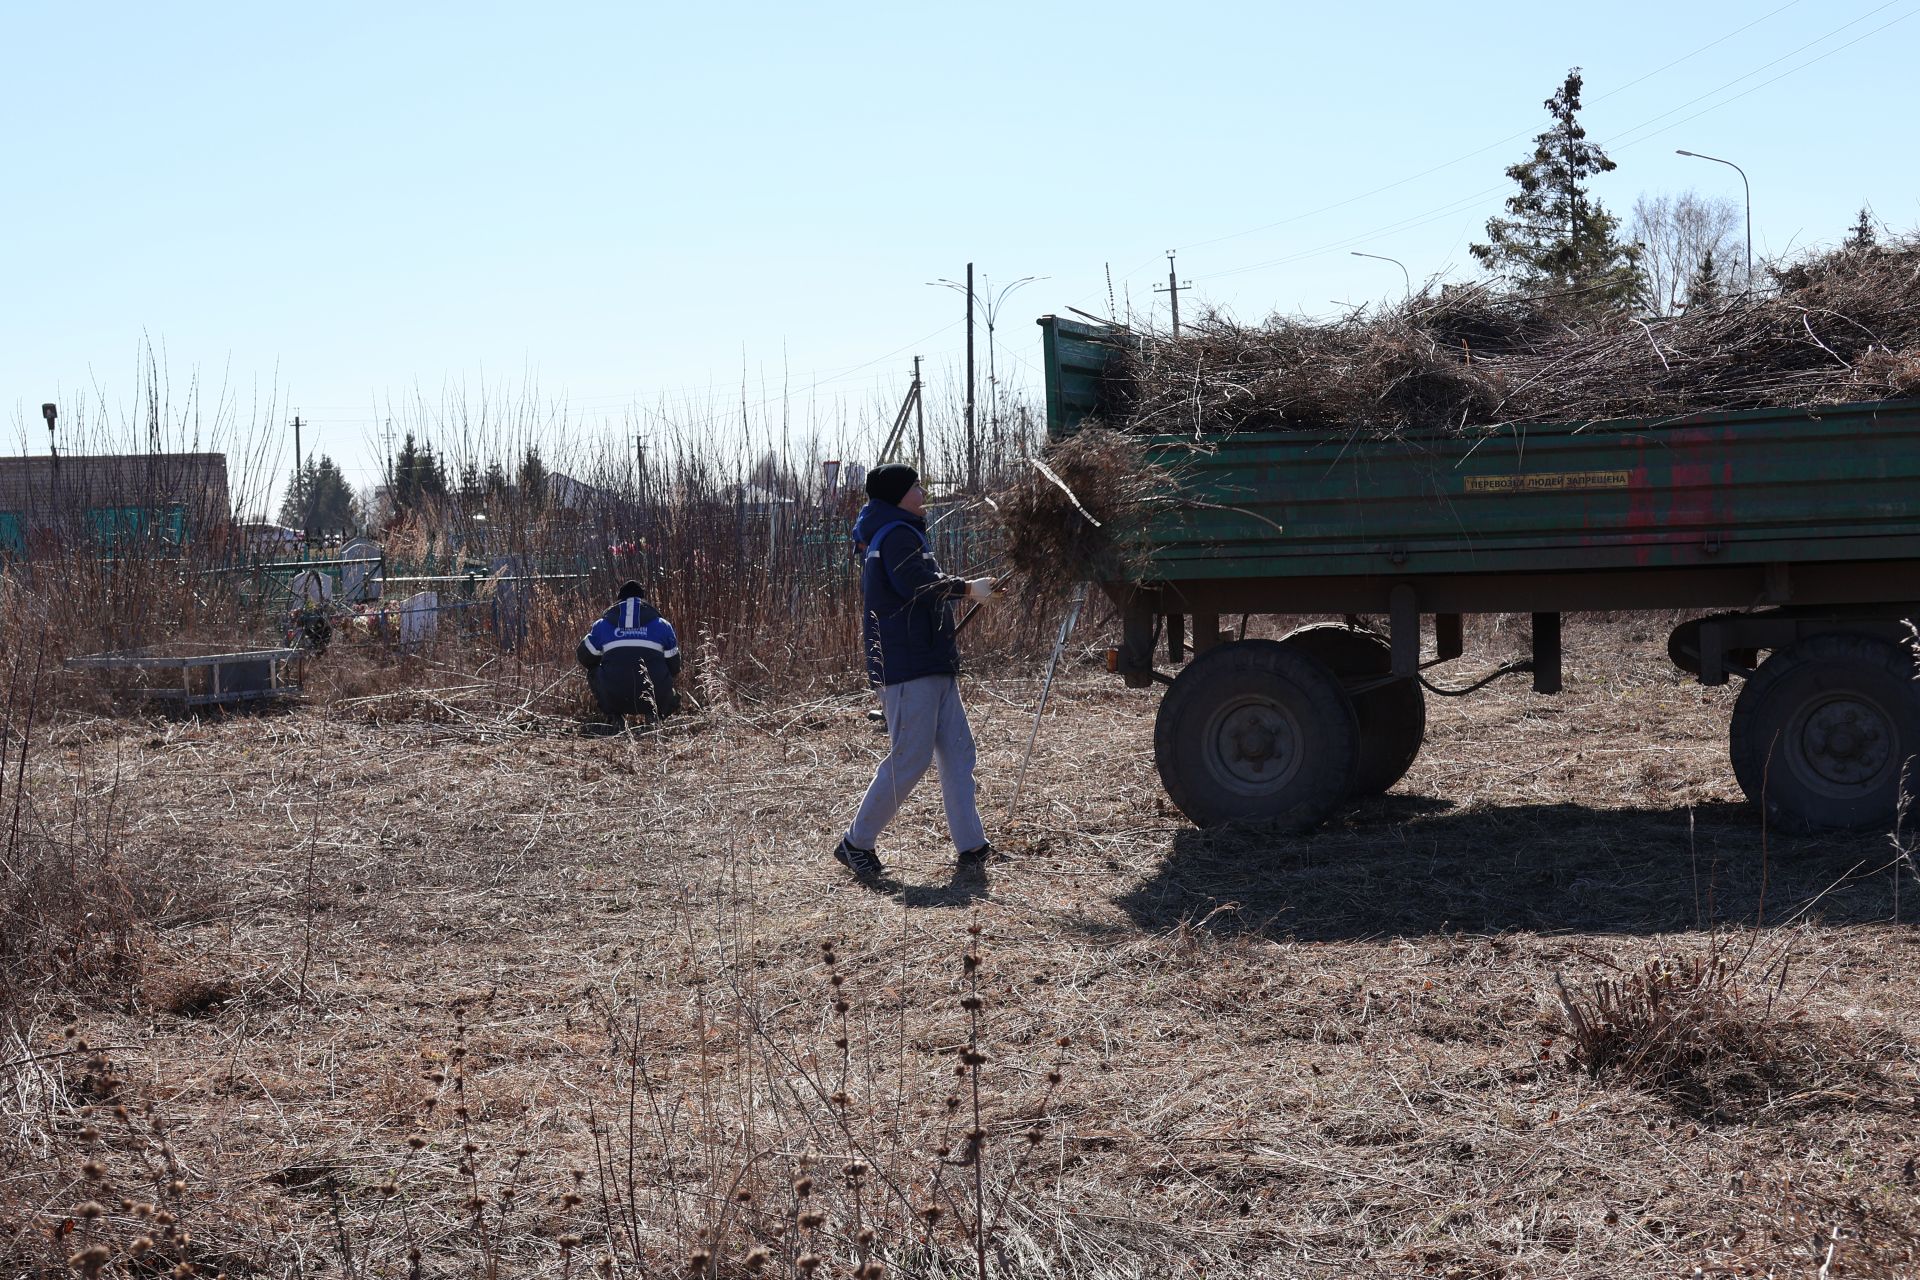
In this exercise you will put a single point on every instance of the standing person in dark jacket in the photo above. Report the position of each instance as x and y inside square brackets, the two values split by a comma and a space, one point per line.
[632, 657]
[914, 658]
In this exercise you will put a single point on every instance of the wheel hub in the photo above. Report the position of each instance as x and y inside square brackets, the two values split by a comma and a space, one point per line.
[1846, 742]
[1256, 746]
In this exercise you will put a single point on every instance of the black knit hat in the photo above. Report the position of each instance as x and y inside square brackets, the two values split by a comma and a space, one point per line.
[890, 481]
[630, 587]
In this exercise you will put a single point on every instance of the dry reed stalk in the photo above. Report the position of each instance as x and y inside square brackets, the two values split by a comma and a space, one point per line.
[1315, 1057]
[1839, 326]
[746, 552]
[1713, 1037]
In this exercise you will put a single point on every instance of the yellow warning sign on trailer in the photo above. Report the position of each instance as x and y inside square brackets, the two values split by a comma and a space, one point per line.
[1549, 482]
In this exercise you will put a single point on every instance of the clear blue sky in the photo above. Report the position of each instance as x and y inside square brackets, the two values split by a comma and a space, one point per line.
[627, 203]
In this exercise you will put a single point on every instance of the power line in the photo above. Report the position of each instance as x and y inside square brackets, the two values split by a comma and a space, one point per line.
[1405, 224]
[1702, 49]
[834, 374]
[1441, 211]
[1480, 151]
[566, 404]
[1421, 219]
[1616, 143]
[1764, 83]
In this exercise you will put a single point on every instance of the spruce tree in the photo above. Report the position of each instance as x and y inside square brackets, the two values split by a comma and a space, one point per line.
[1704, 288]
[533, 479]
[417, 475]
[1862, 235]
[319, 500]
[1556, 238]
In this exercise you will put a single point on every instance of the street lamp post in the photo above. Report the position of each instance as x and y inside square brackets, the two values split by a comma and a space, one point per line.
[993, 316]
[1745, 186]
[990, 311]
[1395, 261]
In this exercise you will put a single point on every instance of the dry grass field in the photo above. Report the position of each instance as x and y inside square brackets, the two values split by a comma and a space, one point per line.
[448, 993]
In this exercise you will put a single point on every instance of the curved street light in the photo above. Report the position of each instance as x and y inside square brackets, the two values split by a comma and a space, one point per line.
[1745, 186]
[990, 311]
[1378, 257]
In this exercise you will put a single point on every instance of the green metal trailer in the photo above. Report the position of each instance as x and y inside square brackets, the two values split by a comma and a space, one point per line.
[1792, 534]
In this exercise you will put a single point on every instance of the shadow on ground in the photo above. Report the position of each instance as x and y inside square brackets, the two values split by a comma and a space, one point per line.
[1408, 865]
[967, 886]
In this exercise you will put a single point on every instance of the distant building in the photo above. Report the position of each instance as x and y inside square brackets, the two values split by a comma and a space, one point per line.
[261, 538]
[576, 495]
[757, 500]
[106, 500]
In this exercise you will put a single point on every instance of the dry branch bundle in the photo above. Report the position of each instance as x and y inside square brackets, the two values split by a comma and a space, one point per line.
[1840, 326]
[1081, 511]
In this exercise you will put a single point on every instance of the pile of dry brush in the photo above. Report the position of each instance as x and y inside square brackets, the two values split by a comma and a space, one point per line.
[1841, 326]
[1081, 513]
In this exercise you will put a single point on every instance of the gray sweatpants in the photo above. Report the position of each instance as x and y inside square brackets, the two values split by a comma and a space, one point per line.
[925, 724]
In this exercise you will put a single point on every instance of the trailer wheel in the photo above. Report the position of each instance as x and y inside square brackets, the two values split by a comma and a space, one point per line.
[1826, 731]
[1393, 717]
[1256, 732]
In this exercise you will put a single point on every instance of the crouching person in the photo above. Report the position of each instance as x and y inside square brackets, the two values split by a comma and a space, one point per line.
[632, 658]
[913, 655]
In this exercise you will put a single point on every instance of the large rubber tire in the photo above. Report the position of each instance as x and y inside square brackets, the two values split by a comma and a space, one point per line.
[1826, 731]
[1393, 717]
[1255, 732]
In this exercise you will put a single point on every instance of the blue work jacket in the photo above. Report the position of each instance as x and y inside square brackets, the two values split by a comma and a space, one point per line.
[907, 627]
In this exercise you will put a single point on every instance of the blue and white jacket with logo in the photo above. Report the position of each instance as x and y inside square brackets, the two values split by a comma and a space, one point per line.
[908, 629]
[630, 638]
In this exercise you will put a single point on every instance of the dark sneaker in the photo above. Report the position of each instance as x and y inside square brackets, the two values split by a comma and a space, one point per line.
[977, 857]
[864, 863]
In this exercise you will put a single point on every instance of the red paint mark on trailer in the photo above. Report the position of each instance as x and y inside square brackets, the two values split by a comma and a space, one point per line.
[1643, 515]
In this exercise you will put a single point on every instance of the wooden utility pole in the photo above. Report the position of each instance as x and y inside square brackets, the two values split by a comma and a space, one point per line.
[299, 478]
[919, 421]
[973, 462]
[897, 432]
[1172, 289]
